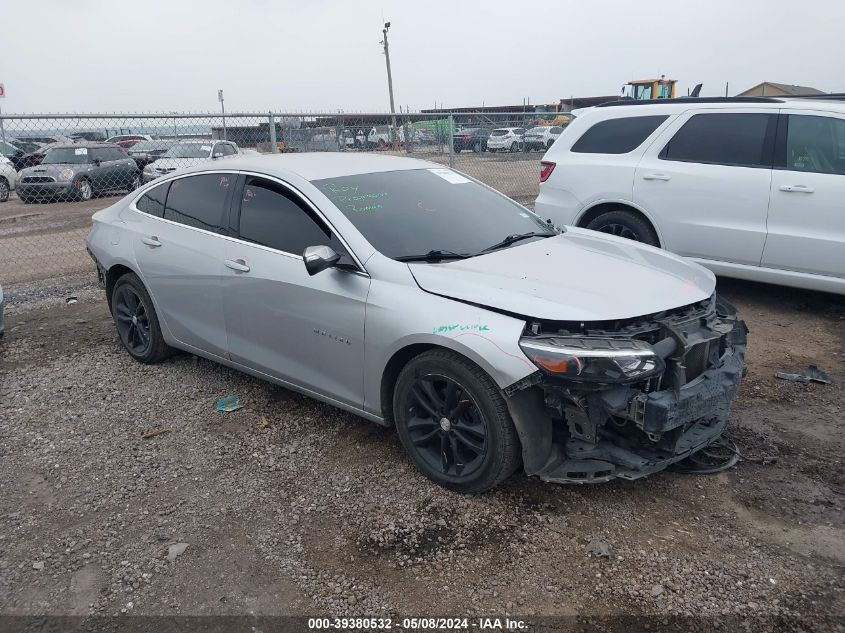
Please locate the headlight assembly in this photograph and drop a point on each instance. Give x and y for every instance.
(66, 174)
(596, 360)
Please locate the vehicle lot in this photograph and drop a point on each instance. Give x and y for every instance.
(290, 506)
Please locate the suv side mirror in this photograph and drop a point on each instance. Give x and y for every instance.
(319, 258)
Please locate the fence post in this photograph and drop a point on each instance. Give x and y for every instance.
(273, 147)
(451, 141)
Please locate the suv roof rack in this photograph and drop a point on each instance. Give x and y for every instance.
(635, 102)
(833, 96)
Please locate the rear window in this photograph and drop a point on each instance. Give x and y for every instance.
(721, 138)
(152, 202)
(499, 133)
(617, 136)
(198, 201)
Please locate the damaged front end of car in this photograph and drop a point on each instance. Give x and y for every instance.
(627, 398)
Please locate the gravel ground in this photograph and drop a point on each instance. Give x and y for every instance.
(289, 506)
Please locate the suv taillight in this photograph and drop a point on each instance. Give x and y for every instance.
(546, 169)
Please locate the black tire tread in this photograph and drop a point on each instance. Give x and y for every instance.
(642, 226)
(159, 350)
(511, 453)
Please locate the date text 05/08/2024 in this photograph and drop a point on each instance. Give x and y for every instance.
(425, 623)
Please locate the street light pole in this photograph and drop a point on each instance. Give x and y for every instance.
(389, 75)
(223, 110)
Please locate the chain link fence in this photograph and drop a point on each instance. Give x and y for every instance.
(57, 170)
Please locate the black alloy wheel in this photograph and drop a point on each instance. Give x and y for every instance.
(132, 321)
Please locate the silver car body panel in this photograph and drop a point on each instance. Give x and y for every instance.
(336, 338)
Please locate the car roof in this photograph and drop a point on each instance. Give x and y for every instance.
(82, 144)
(319, 165)
(676, 106)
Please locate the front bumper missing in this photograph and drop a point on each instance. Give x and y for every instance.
(575, 435)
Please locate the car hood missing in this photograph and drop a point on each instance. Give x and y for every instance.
(577, 276)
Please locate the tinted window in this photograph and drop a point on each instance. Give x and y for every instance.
(198, 201)
(99, 153)
(271, 216)
(152, 202)
(723, 139)
(816, 144)
(617, 136)
(411, 212)
(557, 130)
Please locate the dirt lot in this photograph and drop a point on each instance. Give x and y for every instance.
(291, 507)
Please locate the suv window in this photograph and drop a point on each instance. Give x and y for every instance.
(113, 153)
(152, 202)
(617, 136)
(99, 153)
(198, 201)
(556, 130)
(272, 216)
(722, 139)
(815, 144)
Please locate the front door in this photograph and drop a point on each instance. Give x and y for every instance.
(706, 181)
(281, 321)
(807, 208)
(177, 241)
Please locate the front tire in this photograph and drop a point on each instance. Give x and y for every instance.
(137, 322)
(453, 422)
(4, 190)
(84, 190)
(625, 224)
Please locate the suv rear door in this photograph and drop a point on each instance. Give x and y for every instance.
(705, 183)
(806, 212)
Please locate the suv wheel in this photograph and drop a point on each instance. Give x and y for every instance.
(477, 148)
(454, 423)
(625, 224)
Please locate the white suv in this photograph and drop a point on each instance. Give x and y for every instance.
(506, 139)
(752, 188)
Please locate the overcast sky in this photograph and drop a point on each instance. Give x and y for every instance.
(324, 55)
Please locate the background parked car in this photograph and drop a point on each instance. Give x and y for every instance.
(188, 153)
(35, 156)
(94, 137)
(146, 152)
(8, 177)
(750, 189)
(128, 140)
(542, 138)
(13, 153)
(78, 172)
(474, 138)
(506, 139)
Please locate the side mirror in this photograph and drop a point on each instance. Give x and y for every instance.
(319, 258)
(96, 162)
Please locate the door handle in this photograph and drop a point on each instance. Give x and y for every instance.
(151, 241)
(656, 177)
(238, 265)
(797, 189)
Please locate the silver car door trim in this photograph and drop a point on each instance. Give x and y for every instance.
(134, 207)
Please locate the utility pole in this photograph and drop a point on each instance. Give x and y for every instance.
(223, 110)
(389, 76)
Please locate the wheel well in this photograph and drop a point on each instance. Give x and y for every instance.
(112, 275)
(391, 374)
(594, 212)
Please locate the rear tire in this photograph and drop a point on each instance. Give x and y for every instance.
(454, 423)
(137, 322)
(625, 224)
(4, 190)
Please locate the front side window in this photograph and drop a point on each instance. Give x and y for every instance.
(617, 136)
(411, 212)
(199, 201)
(815, 144)
(723, 139)
(153, 201)
(189, 150)
(272, 216)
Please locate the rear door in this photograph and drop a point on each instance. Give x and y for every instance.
(281, 321)
(705, 182)
(179, 234)
(807, 208)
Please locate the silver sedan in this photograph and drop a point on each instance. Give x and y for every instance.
(417, 297)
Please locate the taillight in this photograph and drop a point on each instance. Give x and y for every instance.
(546, 169)
(467, 138)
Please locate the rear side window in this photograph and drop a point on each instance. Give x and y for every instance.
(199, 201)
(152, 202)
(723, 139)
(617, 136)
(271, 216)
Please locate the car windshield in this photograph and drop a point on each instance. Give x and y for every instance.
(150, 146)
(189, 150)
(410, 213)
(499, 133)
(66, 156)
